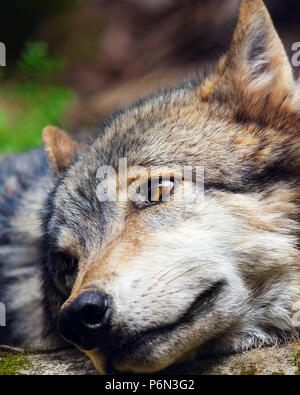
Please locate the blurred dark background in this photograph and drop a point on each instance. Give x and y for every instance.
(73, 62)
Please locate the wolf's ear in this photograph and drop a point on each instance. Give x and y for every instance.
(59, 146)
(256, 64)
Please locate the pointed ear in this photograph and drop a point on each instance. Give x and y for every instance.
(256, 66)
(59, 146)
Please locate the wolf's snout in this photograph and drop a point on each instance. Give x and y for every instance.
(84, 320)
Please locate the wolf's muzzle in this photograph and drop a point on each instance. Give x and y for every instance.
(84, 321)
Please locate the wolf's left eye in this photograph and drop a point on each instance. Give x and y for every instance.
(70, 263)
(156, 190)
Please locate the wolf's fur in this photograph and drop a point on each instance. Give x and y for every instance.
(218, 275)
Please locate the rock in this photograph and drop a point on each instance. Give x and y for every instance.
(280, 360)
(63, 362)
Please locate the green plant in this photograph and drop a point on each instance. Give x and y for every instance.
(32, 99)
(37, 66)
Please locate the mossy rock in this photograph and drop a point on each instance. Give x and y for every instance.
(297, 362)
(13, 364)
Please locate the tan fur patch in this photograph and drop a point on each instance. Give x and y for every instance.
(59, 146)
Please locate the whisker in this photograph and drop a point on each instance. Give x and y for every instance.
(174, 292)
(168, 271)
(182, 274)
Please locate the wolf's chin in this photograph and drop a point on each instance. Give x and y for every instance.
(98, 359)
(144, 359)
(139, 361)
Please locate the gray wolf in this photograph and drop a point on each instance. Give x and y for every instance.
(142, 284)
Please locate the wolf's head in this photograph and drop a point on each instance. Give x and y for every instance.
(205, 255)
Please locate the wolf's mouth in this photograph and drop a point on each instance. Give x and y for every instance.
(120, 349)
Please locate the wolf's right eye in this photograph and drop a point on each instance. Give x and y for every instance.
(156, 190)
(70, 263)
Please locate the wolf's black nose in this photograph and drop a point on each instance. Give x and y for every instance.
(83, 321)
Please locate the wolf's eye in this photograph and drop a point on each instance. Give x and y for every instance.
(156, 190)
(70, 264)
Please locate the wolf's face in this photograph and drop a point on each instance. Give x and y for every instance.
(203, 254)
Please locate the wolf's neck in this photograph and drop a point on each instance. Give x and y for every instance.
(24, 181)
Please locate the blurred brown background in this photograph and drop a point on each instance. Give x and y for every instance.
(116, 51)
